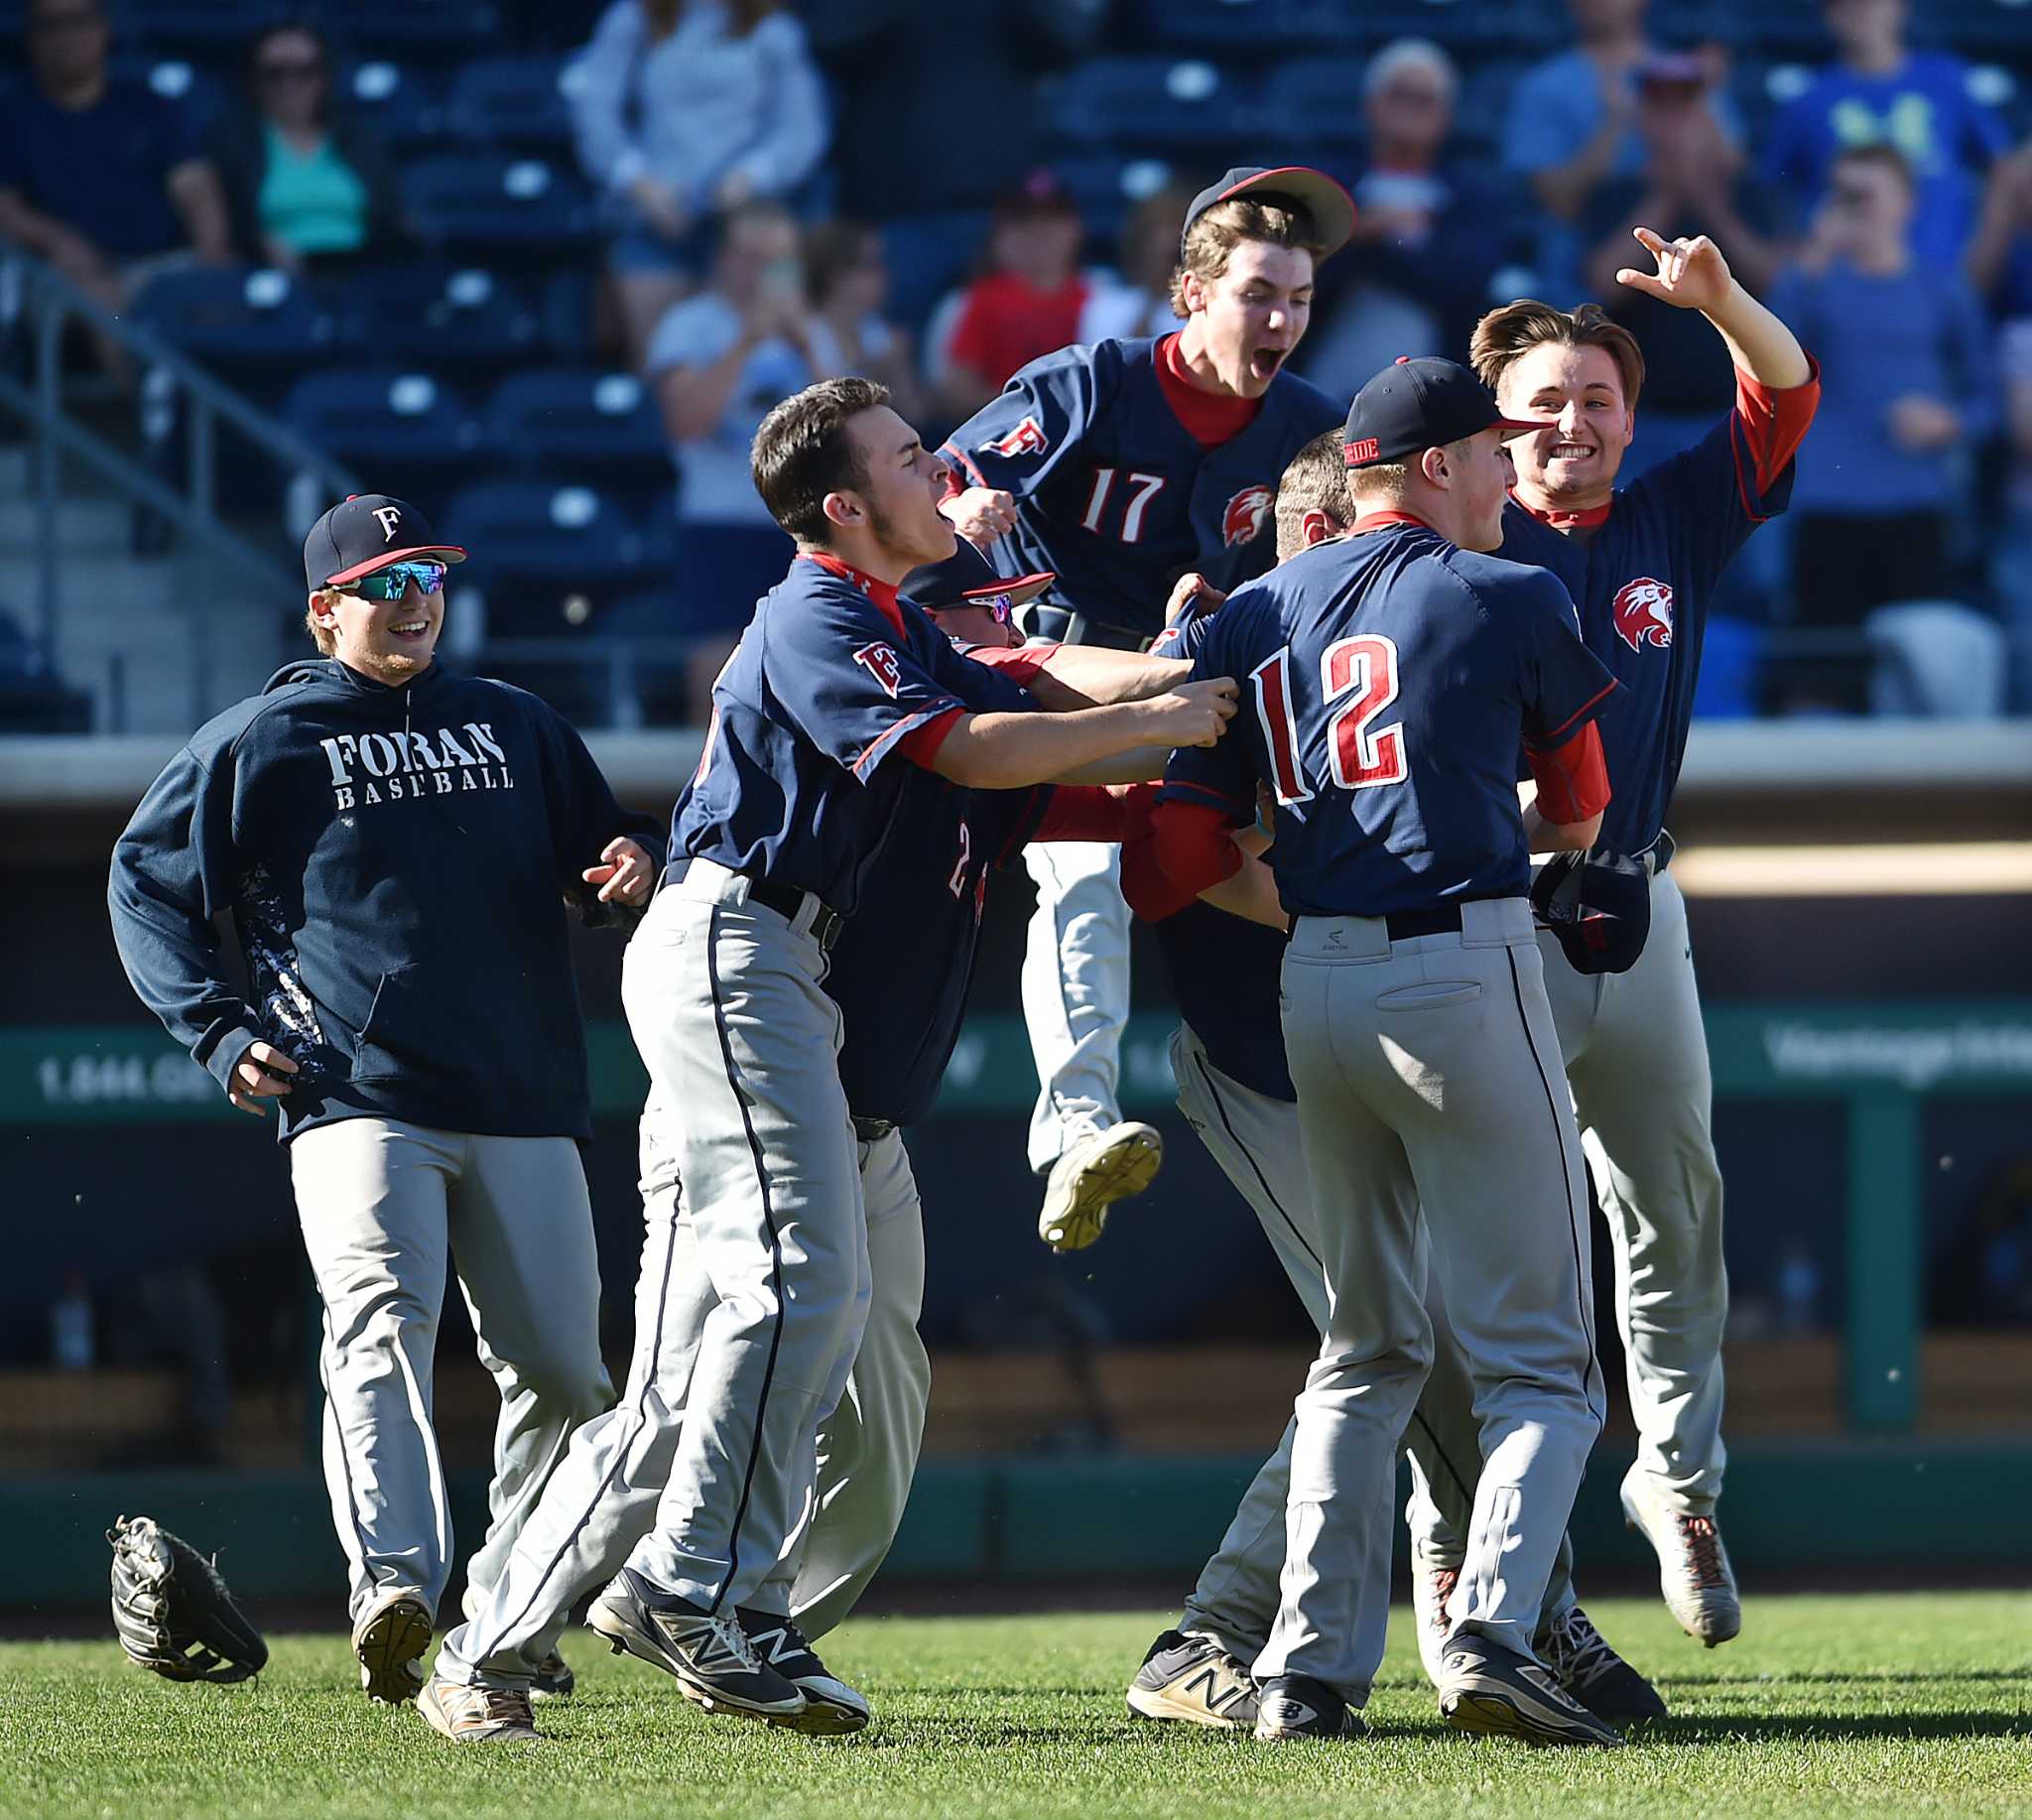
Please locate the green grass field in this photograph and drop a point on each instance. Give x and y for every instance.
(1897, 1704)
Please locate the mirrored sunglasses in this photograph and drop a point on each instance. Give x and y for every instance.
(392, 582)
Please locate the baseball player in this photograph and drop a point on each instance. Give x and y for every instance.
(1236, 1091)
(392, 842)
(1119, 467)
(1394, 676)
(1642, 565)
(834, 713)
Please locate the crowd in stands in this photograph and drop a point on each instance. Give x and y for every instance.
(768, 195)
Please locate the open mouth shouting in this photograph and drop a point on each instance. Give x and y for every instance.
(1265, 362)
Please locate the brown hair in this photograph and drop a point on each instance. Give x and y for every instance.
(743, 16)
(802, 453)
(1314, 481)
(322, 636)
(1885, 157)
(832, 249)
(1505, 336)
(1211, 239)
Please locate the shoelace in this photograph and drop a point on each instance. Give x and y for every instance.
(1580, 1653)
(1444, 1580)
(729, 1635)
(1703, 1543)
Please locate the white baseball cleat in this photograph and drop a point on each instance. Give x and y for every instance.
(390, 1640)
(1432, 1586)
(1092, 1176)
(477, 1715)
(1694, 1572)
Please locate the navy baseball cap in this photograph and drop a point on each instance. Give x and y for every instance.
(366, 532)
(1329, 204)
(1598, 904)
(969, 579)
(1420, 404)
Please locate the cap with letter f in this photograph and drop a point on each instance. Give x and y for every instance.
(1421, 404)
(366, 532)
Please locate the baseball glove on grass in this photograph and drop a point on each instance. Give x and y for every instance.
(173, 1612)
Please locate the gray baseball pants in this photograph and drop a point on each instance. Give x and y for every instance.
(1636, 1057)
(1428, 1074)
(1075, 991)
(384, 1205)
(607, 1491)
(1255, 1139)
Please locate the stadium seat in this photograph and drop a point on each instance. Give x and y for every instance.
(1159, 102)
(34, 699)
(245, 321)
(403, 432)
(1107, 188)
(1317, 101)
(565, 315)
(527, 207)
(1483, 107)
(217, 32)
(1242, 28)
(200, 97)
(440, 317)
(722, 570)
(602, 426)
(547, 556)
(517, 102)
(1731, 656)
(1975, 28)
(414, 30)
(406, 109)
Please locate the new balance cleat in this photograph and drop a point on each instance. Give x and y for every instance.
(1090, 1177)
(707, 1653)
(1192, 1678)
(1490, 1689)
(1694, 1572)
(831, 1708)
(1582, 1662)
(477, 1715)
(1297, 1706)
(389, 1641)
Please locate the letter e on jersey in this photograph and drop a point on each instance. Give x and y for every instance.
(1642, 610)
(880, 662)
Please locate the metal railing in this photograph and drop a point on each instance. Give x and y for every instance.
(38, 305)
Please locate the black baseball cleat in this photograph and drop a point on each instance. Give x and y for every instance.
(1582, 1662)
(1193, 1679)
(1297, 1706)
(1489, 1688)
(707, 1653)
(554, 1679)
(831, 1708)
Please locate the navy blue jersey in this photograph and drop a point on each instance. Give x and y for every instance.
(1116, 495)
(923, 902)
(1642, 580)
(1391, 679)
(795, 784)
(1224, 971)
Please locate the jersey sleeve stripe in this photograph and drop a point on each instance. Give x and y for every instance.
(878, 748)
(955, 456)
(1585, 712)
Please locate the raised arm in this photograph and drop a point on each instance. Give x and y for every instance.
(1692, 274)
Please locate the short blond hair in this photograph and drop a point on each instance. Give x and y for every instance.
(1211, 239)
(322, 636)
(1316, 480)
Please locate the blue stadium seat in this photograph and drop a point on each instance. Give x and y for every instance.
(547, 556)
(1317, 101)
(530, 207)
(516, 102)
(403, 432)
(407, 108)
(201, 98)
(246, 320)
(603, 427)
(1975, 28)
(722, 570)
(1157, 103)
(217, 32)
(1244, 28)
(1483, 108)
(414, 30)
(1107, 188)
(441, 318)
(564, 314)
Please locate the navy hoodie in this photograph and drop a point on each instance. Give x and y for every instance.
(397, 863)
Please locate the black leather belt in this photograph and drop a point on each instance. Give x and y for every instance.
(1404, 924)
(786, 901)
(873, 1131)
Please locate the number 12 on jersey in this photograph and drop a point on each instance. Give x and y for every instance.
(1361, 755)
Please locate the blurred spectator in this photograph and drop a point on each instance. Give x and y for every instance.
(101, 177)
(848, 280)
(685, 109)
(1430, 233)
(1573, 125)
(722, 358)
(305, 186)
(1690, 185)
(1879, 91)
(1982, 1275)
(1025, 303)
(1906, 389)
(1999, 257)
(1135, 300)
(2010, 573)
